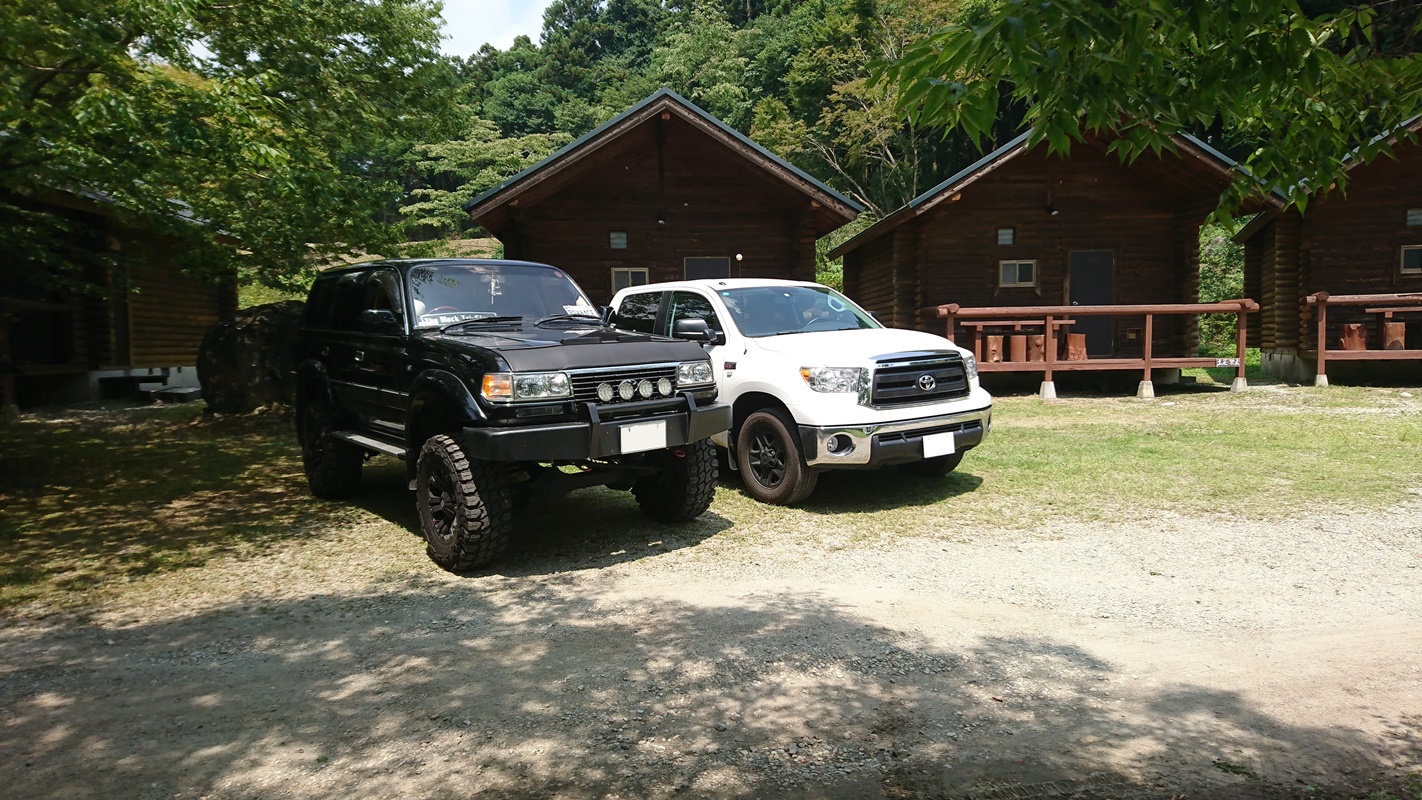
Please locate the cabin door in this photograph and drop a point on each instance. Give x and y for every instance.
(1093, 283)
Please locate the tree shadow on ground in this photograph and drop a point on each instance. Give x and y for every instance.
(444, 688)
(587, 529)
(88, 497)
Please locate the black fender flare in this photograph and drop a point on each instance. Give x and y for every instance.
(444, 387)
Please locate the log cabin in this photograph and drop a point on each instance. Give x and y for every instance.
(663, 191)
(1362, 241)
(139, 324)
(1022, 227)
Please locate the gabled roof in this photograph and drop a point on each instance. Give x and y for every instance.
(661, 101)
(985, 165)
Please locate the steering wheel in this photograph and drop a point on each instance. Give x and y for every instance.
(818, 320)
(443, 309)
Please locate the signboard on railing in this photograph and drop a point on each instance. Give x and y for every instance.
(1227, 362)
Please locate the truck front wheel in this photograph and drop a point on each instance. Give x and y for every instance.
(465, 512)
(683, 487)
(770, 460)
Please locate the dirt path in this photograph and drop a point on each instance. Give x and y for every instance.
(1202, 656)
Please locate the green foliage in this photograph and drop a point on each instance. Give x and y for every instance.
(700, 60)
(1305, 90)
(262, 135)
(470, 165)
(1221, 278)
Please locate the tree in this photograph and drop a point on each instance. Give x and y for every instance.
(1301, 92)
(266, 135)
(699, 60)
(458, 170)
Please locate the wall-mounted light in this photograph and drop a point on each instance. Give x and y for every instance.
(1052, 209)
(739, 256)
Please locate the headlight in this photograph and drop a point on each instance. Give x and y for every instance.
(513, 386)
(970, 366)
(694, 373)
(833, 379)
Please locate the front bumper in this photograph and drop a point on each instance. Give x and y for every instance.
(598, 438)
(892, 442)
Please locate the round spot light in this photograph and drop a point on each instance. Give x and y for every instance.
(665, 387)
(626, 389)
(605, 392)
(644, 388)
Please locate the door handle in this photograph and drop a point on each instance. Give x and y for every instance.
(359, 356)
(325, 351)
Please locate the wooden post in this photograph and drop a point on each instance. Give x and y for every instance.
(1037, 347)
(1321, 367)
(994, 349)
(1076, 347)
(1241, 333)
(1049, 387)
(1017, 347)
(1394, 335)
(1146, 391)
(1354, 336)
(949, 322)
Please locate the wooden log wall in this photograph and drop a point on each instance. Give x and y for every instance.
(710, 200)
(168, 312)
(869, 280)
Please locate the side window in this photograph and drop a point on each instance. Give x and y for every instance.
(349, 301)
(385, 292)
(318, 305)
(689, 305)
(638, 312)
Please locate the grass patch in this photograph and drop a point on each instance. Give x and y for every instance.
(92, 501)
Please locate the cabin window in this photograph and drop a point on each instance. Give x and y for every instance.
(1414, 216)
(623, 277)
(617, 240)
(638, 312)
(1006, 236)
(707, 267)
(1016, 273)
(1412, 259)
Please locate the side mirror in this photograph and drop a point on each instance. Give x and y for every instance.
(605, 315)
(379, 320)
(694, 329)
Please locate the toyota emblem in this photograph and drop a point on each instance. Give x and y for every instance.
(926, 383)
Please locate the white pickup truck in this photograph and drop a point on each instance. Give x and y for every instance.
(816, 383)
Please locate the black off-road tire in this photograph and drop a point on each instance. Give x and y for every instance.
(465, 512)
(772, 463)
(332, 465)
(685, 485)
(935, 467)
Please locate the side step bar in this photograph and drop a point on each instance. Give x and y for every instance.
(370, 443)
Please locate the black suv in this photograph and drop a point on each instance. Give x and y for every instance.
(498, 383)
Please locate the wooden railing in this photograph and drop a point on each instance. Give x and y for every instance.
(1353, 339)
(1054, 322)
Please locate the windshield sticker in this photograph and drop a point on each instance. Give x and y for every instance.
(453, 317)
(580, 310)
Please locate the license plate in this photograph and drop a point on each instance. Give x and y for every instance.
(644, 436)
(938, 444)
(1226, 362)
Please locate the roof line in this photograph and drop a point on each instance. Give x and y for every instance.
(661, 94)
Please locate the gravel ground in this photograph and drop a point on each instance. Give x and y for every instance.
(1165, 656)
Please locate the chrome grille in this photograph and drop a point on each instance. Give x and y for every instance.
(903, 383)
(585, 383)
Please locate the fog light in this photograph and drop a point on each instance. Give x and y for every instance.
(839, 444)
(626, 389)
(604, 392)
(644, 388)
(665, 387)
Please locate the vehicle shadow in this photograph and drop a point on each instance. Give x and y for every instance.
(845, 490)
(430, 687)
(585, 529)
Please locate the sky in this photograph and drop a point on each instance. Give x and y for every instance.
(468, 24)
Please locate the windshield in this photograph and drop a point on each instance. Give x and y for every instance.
(775, 310)
(443, 294)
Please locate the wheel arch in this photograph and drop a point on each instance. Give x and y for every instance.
(439, 403)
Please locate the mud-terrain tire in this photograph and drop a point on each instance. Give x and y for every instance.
(465, 512)
(683, 488)
(772, 464)
(935, 467)
(332, 465)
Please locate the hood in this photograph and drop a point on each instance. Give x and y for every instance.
(530, 348)
(851, 348)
